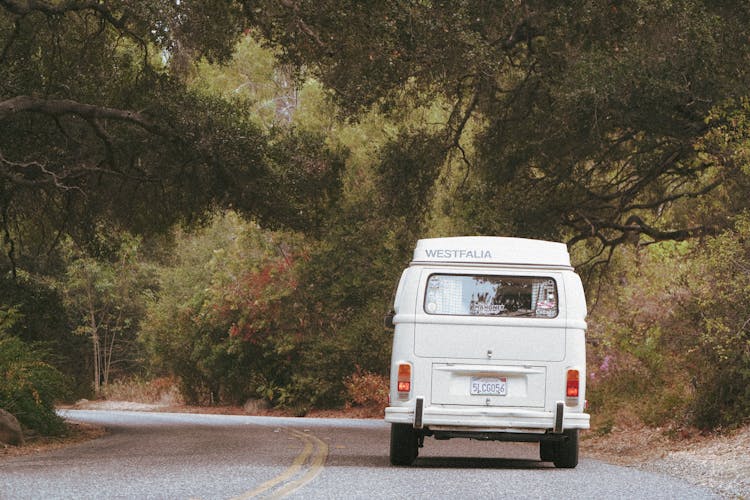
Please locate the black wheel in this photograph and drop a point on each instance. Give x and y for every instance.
(566, 451)
(404, 444)
(547, 451)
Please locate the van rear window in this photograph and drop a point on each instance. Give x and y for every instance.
(491, 295)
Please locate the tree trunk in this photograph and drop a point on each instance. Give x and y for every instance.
(97, 358)
(95, 343)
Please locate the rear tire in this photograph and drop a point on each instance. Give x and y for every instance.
(566, 451)
(404, 444)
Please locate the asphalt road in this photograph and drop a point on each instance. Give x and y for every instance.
(188, 456)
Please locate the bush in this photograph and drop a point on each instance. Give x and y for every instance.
(163, 390)
(633, 366)
(29, 385)
(673, 330)
(41, 320)
(720, 306)
(367, 389)
(222, 330)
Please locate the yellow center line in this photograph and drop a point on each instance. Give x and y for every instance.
(316, 466)
(290, 472)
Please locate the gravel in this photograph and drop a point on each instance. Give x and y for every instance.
(722, 464)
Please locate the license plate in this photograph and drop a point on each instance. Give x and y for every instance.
(489, 386)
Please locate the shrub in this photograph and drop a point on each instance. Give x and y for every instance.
(40, 319)
(164, 390)
(720, 306)
(637, 363)
(29, 385)
(222, 329)
(674, 333)
(367, 389)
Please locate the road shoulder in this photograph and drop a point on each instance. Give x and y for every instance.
(718, 461)
(78, 432)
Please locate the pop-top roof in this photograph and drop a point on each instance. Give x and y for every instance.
(492, 250)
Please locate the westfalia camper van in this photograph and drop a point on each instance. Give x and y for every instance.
(488, 343)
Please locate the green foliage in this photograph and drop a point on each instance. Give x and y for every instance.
(29, 385)
(305, 180)
(719, 306)
(271, 318)
(671, 331)
(253, 79)
(102, 121)
(695, 348)
(601, 123)
(41, 320)
(220, 319)
(407, 172)
(104, 289)
(105, 300)
(573, 121)
(636, 364)
(346, 285)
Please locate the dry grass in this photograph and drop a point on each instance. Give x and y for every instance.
(630, 442)
(160, 391)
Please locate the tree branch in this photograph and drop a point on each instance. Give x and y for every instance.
(456, 132)
(100, 7)
(7, 238)
(21, 8)
(60, 107)
(302, 25)
(630, 231)
(635, 224)
(523, 32)
(11, 39)
(675, 197)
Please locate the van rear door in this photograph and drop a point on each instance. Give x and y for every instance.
(490, 334)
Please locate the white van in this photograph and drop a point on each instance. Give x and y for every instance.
(488, 343)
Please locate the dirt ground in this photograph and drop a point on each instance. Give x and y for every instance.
(77, 433)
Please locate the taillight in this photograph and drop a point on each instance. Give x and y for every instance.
(403, 385)
(572, 384)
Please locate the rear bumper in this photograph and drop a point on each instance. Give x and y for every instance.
(486, 419)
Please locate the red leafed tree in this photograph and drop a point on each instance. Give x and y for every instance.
(226, 320)
(258, 301)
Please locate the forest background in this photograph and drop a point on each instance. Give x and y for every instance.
(220, 195)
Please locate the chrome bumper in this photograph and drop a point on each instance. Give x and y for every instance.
(486, 419)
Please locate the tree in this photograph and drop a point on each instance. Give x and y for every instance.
(29, 385)
(100, 122)
(574, 121)
(106, 298)
(223, 320)
(41, 321)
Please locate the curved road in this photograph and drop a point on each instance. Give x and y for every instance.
(188, 456)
